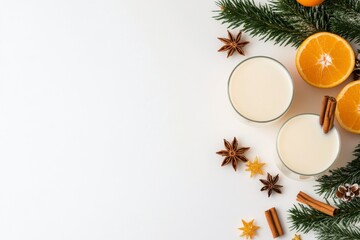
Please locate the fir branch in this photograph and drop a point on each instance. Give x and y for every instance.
(305, 219)
(328, 184)
(287, 22)
(349, 212)
(337, 232)
(345, 18)
(304, 19)
(283, 21)
(259, 21)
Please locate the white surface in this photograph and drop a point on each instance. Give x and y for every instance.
(249, 89)
(110, 116)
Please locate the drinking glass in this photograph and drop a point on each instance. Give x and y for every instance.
(304, 151)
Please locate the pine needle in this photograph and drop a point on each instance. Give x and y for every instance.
(286, 22)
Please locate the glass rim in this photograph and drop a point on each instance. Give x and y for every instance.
(302, 174)
(292, 88)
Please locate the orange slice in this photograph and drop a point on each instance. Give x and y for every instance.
(348, 107)
(325, 60)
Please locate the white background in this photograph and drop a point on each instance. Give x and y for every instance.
(110, 116)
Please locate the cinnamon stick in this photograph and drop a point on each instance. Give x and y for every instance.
(320, 206)
(316, 204)
(271, 224)
(274, 223)
(327, 113)
(332, 101)
(277, 221)
(323, 109)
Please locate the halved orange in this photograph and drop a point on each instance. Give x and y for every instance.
(325, 60)
(348, 107)
(310, 3)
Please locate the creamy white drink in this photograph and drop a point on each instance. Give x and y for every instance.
(260, 89)
(304, 148)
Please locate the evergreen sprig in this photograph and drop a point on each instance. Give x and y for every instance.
(258, 20)
(305, 219)
(303, 19)
(349, 212)
(345, 18)
(328, 184)
(286, 22)
(337, 232)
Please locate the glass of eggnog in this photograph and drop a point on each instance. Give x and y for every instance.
(303, 149)
(260, 89)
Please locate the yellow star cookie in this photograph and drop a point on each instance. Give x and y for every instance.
(297, 237)
(255, 167)
(248, 230)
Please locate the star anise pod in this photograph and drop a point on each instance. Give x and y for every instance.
(233, 44)
(270, 184)
(348, 192)
(356, 72)
(233, 154)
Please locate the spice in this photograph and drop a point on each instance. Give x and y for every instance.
(327, 113)
(233, 154)
(274, 222)
(233, 44)
(270, 184)
(320, 206)
(356, 72)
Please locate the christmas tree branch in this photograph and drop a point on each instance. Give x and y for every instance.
(337, 232)
(328, 184)
(304, 19)
(288, 22)
(304, 219)
(349, 212)
(258, 21)
(345, 19)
